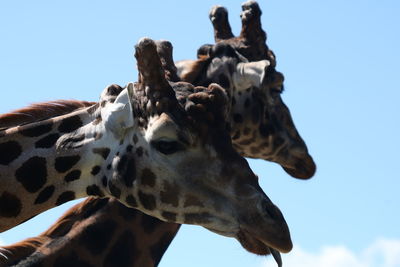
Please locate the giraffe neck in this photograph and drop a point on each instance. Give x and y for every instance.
(96, 232)
(46, 163)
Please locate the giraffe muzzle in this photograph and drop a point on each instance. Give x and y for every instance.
(265, 230)
(301, 168)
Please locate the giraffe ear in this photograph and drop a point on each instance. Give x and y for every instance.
(250, 73)
(118, 116)
(204, 50)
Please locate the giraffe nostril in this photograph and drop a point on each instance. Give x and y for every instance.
(272, 212)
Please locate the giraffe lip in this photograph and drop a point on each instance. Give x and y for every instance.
(255, 245)
(263, 247)
(302, 169)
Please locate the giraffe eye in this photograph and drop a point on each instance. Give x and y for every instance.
(276, 91)
(167, 147)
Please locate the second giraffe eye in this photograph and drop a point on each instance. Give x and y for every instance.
(167, 147)
(276, 91)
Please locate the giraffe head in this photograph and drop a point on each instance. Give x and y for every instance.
(261, 124)
(175, 161)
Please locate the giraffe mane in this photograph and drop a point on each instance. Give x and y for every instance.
(20, 250)
(195, 68)
(40, 111)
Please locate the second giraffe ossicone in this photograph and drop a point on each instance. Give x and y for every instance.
(169, 159)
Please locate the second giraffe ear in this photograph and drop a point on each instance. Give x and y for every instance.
(118, 116)
(250, 74)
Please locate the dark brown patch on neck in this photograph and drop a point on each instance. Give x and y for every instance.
(45, 194)
(72, 259)
(148, 201)
(72, 176)
(10, 205)
(124, 252)
(32, 174)
(70, 124)
(65, 197)
(36, 130)
(150, 224)
(96, 237)
(47, 141)
(94, 190)
(9, 151)
(63, 164)
(158, 249)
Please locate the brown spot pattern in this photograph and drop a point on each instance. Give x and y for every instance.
(169, 216)
(9, 151)
(70, 124)
(170, 194)
(191, 200)
(72, 176)
(63, 164)
(94, 190)
(45, 194)
(148, 177)
(47, 141)
(97, 236)
(95, 170)
(197, 218)
(10, 205)
(124, 252)
(131, 201)
(65, 197)
(148, 201)
(114, 190)
(32, 174)
(40, 129)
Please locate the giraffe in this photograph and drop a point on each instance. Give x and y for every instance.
(69, 245)
(34, 251)
(267, 130)
(179, 193)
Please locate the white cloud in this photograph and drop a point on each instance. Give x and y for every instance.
(381, 253)
(2, 243)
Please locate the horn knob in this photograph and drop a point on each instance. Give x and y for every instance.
(164, 50)
(219, 19)
(151, 73)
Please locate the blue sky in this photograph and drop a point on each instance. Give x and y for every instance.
(340, 60)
